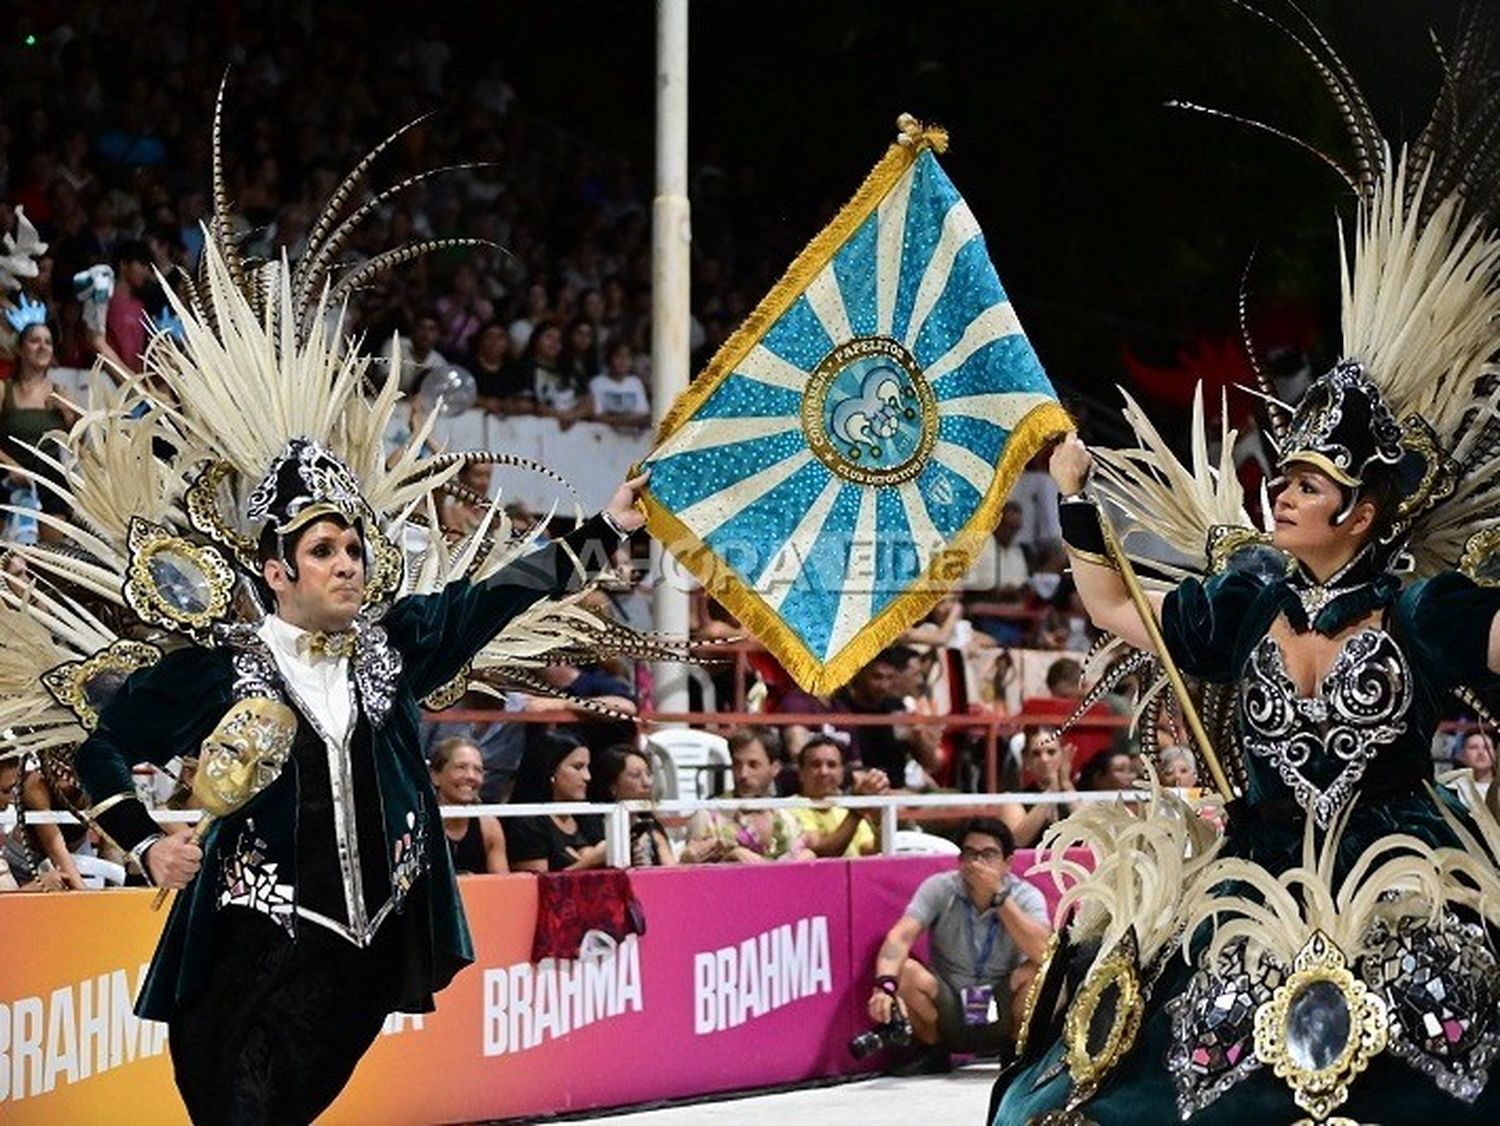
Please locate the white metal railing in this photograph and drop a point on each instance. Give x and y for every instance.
(617, 814)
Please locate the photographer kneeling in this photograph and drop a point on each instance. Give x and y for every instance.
(988, 929)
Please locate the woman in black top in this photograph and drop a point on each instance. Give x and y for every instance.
(477, 844)
(623, 773)
(559, 842)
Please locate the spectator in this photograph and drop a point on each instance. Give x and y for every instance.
(913, 686)
(538, 310)
(29, 846)
(623, 773)
(747, 836)
(557, 394)
(460, 515)
(871, 691)
(1064, 691)
(49, 880)
(987, 930)
(419, 355)
(462, 311)
(619, 395)
(1175, 768)
(125, 322)
(30, 410)
(497, 378)
(831, 831)
(1046, 768)
(1112, 770)
(1477, 752)
(1000, 575)
(580, 358)
(1036, 496)
(558, 842)
(476, 844)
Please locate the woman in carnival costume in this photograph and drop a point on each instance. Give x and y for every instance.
(237, 584)
(1329, 954)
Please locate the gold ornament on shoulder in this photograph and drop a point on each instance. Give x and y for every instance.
(85, 687)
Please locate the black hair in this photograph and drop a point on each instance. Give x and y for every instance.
(540, 763)
(283, 549)
(608, 765)
(822, 740)
(132, 250)
(1383, 489)
(990, 827)
(897, 656)
(1060, 668)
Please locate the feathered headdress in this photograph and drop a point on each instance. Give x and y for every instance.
(255, 411)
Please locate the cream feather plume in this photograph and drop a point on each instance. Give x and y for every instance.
(1398, 876)
(1163, 498)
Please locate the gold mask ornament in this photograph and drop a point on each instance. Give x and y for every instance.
(240, 757)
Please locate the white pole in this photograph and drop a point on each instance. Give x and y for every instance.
(671, 236)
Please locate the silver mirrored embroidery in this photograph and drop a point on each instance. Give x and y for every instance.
(1360, 707)
(248, 879)
(1213, 1027)
(1442, 991)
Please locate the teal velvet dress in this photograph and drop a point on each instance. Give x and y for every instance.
(1365, 735)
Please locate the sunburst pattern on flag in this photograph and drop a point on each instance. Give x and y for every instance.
(838, 465)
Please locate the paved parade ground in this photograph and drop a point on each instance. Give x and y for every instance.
(960, 1098)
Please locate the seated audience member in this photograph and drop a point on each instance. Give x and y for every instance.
(419, 354)
(461, 516)
(1112, 770)
(747, 836)
(619, 395)
(557, 842)
(499, 381)
(987, 929)
(997, 582)
(28, 845)
(48, 880)
(831, 831)
(912, 685)
(476, 844)
(871, 691)
(1476, 751)
(623, 773)
(1175, 768)
(1064, 690)
(1046, 768)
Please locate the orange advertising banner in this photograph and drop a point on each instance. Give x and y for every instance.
(744, 976)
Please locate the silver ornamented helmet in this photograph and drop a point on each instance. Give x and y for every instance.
(306, 481)
(1344, 427)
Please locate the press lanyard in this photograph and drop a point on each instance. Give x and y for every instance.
(983, 953)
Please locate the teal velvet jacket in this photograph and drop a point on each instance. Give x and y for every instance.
(1387, 689)
(168, 709)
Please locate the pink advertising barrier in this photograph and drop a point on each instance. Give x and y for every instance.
(745, 977)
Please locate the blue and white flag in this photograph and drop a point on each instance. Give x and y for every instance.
(842, 460)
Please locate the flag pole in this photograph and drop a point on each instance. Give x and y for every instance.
(1116, 552)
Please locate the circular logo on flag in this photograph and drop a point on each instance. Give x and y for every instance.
(868, 413)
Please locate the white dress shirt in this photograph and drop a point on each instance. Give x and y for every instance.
(319, 685)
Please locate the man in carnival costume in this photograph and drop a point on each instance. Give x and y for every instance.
(1337, 934)
(237, 559)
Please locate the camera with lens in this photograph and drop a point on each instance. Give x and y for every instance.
(894, 1033)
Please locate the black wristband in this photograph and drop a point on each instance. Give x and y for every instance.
(1079, 518)
(886, 984)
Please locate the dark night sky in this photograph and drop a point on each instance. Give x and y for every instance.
(1112, 219)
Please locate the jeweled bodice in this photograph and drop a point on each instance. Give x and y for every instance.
(1319, 747)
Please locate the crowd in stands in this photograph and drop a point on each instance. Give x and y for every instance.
(112, 166)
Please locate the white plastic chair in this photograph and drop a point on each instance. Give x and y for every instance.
(689, 761)
(914, 842)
